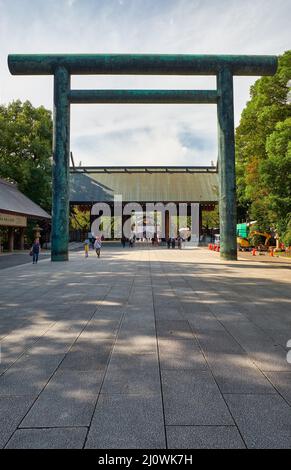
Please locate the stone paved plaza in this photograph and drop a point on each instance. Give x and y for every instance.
(145, 348)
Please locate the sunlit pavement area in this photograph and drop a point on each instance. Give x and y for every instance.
(145, 348)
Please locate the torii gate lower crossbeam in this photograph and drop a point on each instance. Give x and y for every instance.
(62, 66)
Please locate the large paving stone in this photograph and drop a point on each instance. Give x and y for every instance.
(12, 411)
(213, 341)
(127, 422)
(191, 305)
(68, 400)
(180, 354)
(129, 360)
(282, 382)
(263, 420)
(10, 352)
(88, 355)
(179, 329)
(137, 328)
(100, 328)
(168, 313)
(191, 397)
(226, 311)
(267, 355)
(195, 306)
(171, 303)
(279, 335)
(49, 347)
(203, 321)
(27, 377)
(134, 380)
(204, 437)
(66, 438)
(139, 343)
(236, 373)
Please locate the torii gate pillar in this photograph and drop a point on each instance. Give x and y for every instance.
(61, 152)
(226, 165)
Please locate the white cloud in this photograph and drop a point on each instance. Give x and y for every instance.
(139, 134)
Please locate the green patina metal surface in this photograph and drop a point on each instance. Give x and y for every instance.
(143, 64)
(137, 186)
(61, 150)
(144, 96)
(64, 65)
(226, 166)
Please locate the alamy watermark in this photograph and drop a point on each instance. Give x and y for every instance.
(130, 218)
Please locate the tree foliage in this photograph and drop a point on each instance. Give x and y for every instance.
(210, 219)
(80, 218)
(263, 149)
(26, 149)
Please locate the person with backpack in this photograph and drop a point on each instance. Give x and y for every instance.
(97, 246)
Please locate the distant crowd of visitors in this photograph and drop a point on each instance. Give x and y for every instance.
(171, 242)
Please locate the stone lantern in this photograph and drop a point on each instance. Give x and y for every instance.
(37, 229)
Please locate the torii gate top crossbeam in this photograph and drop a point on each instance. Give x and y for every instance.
(141, 64)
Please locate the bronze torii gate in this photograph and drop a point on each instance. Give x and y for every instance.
(62, 66)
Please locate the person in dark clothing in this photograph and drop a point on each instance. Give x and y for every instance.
(35, 251)
(169, 242)
(173, 242)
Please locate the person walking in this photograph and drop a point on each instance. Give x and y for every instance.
(86, 247)
(169, 241)
(35, 249)
(132, 240)
(173, 243)
(97, 246)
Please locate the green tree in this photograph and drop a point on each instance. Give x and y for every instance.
(80, 218)
(275, 173)
(287, 234)
(210, 219)
(26, 149)
(263, 151)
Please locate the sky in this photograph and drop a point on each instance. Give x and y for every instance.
(140, 134)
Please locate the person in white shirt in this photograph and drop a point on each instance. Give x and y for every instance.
(97, 246)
